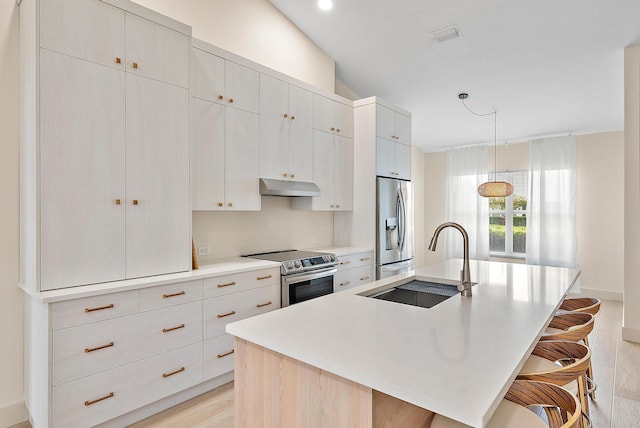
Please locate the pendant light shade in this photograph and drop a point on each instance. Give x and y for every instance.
(495, 189)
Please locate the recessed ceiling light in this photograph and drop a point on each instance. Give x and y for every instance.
(446, 33)
(325, 4)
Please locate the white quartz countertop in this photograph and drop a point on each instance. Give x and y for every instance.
(216, 268)
(456, 359)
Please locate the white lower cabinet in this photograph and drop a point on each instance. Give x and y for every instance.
(105, 395)
(218, 356)
(353, 270)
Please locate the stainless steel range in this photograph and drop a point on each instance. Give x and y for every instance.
(304, 275)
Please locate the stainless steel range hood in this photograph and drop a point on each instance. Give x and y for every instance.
(271, 187)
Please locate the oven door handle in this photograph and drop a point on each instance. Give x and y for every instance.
(305, 276)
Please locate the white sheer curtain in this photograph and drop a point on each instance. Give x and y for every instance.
(466, 170)
(551, 223)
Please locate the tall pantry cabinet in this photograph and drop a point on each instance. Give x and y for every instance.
(105, 143)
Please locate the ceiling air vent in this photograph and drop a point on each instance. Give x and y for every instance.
(446, 34)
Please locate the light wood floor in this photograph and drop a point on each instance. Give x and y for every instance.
(616, 366)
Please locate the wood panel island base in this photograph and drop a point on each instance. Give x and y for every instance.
(273, 390)
(348, 360)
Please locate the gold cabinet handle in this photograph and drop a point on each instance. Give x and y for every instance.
(364, 259)
(108, 345)
(262, 305)
(364, 279)
(220, 97)
(345, 263)
(260, 278)
(179, 293)
(180, 370)
(228, 284)
(167, 330)
(293, 176)
(226, 353)
(285, 174)
(230, 204)
(134, 65)
(338, 130)
(88, 403)
(220, 204)
(337, 206)
(101, 308)
(230, 100)
(285, 115)
(135, 202)
(331, 206)
(293, 118)
(345, 283)
(118, 60)
(118, 201)
(333, 129)
(227, 314)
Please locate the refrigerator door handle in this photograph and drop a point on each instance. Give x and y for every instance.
(402, 230)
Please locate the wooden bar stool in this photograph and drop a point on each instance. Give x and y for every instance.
(561, 363)
(573, 327)
(561, 407)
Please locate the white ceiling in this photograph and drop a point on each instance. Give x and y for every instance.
(549, 67)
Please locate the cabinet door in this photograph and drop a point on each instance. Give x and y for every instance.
(344, 119)
(274, 97)
(207, 76)
(300, 152)
(323, 113)
(242, 160)
(207, 155)
(385, 122)
(82, 159)
(403, 161)
(274, 151)
(87, 29)
(156, 51)
(323, 170)
(157, 231)
(344, 174)
(242, 87)
(385, 158)
(301, 106)
(403, 128)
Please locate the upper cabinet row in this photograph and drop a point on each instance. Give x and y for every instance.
(393, 143)
(105, 144)
(248, 125)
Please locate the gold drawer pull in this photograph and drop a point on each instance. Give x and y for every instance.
(181, 369)
(227, 315)
(134, 64)
(180, 293)
(225, 354)
(260, 278)
(345, 263)
(87, 310)
(108, 345)
(364, 259)
(167, 330)
(228, 284)
(364, 279)
(88, 403)
(345, 283)
(262, 305)
(118, 60)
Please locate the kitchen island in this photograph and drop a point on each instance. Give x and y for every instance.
(349, 360)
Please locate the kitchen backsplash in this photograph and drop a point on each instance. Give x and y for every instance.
(275, 227)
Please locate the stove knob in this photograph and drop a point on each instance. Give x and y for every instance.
(297, 263)
(325, 258)
(289, 265)
(333, 258)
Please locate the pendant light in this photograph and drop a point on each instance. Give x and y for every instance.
(495, 188)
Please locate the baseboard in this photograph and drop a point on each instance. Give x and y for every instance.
(13, 413)
(599, 294)
(631, 334)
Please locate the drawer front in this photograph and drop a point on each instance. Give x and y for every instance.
(353, 277)
(227, 284)
(219, 356)
(84, 350)
(170, 295)
(96, 308)
(103, 396)
(222, 310)
(355, 260)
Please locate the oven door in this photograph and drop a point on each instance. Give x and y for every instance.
(299, 287)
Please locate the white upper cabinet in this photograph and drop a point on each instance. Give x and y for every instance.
(242, 160)
(332, 116)
(242, 87)
(393, 143)
(392, 125)
(207, 76)
(286, 136)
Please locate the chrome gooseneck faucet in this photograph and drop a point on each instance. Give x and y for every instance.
(465, 276)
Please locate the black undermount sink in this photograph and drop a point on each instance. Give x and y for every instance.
(418, 293)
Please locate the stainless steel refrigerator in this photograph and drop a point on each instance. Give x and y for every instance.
(394, 219)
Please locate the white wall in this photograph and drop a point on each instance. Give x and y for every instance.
(11, 302)
(599, 206)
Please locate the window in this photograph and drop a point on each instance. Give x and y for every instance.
(508, 217)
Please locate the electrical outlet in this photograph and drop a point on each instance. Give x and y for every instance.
(203, 251)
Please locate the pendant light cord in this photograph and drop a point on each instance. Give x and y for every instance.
(495, 138)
